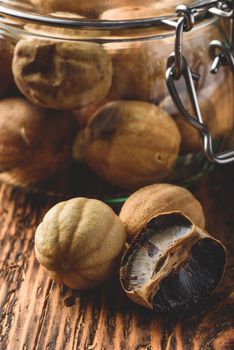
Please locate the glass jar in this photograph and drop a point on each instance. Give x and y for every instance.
(84, 85)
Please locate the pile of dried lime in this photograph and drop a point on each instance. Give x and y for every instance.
(170, 264)
(118, 117)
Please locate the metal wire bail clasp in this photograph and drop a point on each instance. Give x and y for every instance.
(223, 53)
(178, 67)
(185, 23)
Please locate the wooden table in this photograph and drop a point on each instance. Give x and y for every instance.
(36, 313)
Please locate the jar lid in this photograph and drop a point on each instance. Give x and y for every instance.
(100, 20)
(103, 10)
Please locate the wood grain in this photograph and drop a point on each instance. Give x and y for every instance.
(36, 313)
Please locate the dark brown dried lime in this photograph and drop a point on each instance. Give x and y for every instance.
(172, 264)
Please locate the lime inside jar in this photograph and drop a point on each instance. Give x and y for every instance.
(83, 87)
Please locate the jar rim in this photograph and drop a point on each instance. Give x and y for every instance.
(168, 21)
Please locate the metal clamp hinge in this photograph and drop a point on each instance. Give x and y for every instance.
(221, 54)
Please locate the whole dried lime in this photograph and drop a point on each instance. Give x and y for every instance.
(62, 75)
(129, 143)
(34, 143)
(79, 242)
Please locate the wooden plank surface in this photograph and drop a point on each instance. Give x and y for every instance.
(36, 313)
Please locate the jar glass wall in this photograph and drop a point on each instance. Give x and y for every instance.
(97, 96)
